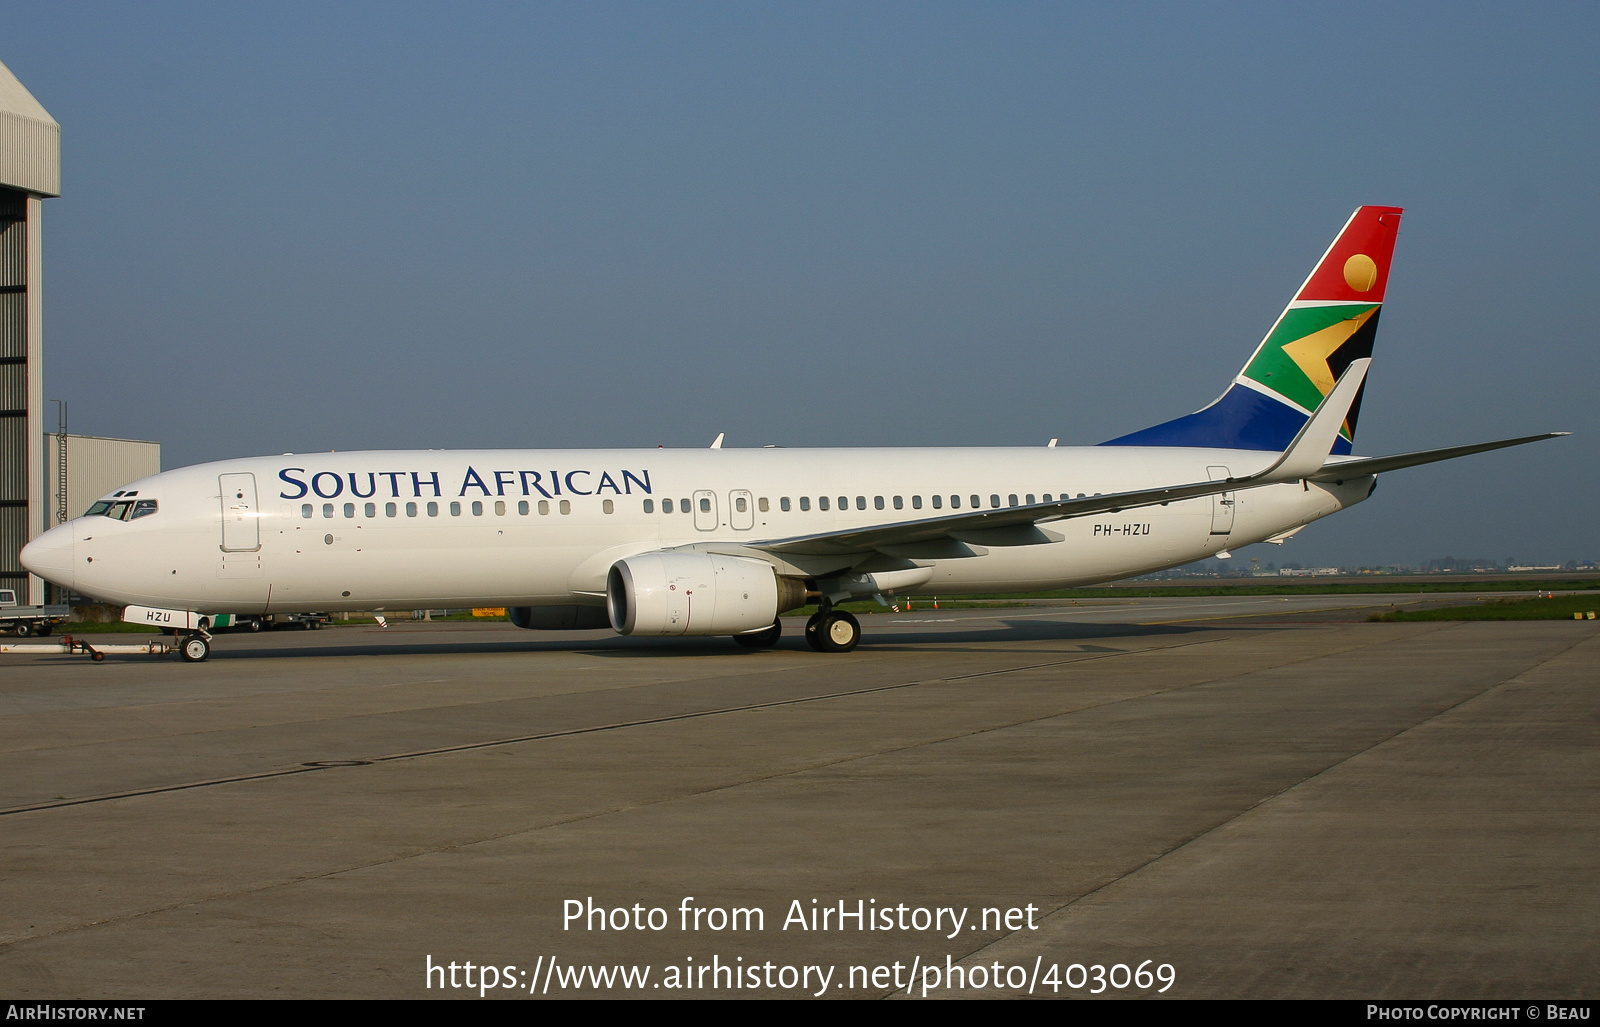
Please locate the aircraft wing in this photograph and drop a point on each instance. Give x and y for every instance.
(1344, 470)
(1010, 526)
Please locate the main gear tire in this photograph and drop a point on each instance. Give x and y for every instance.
(837, 632)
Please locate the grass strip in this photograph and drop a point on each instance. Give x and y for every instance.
(1559, 608)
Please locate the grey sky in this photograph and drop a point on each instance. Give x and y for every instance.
(292, 227)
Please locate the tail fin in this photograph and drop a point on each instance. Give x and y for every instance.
(1331, 321)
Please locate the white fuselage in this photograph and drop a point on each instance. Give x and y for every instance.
(403, 530)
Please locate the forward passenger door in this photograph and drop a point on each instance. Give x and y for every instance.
(241, 530)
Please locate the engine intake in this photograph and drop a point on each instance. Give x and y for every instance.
(687, 593)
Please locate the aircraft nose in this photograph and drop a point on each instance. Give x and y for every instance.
(50, 556)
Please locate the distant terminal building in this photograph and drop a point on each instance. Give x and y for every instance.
(30, 171)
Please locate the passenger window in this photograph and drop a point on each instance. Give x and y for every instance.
(955, 502)
(666, 506)
(649, 506)
(1030, 499)
(822, 502)
(977, 501)
(608, 506)
(1046, 498)
(522, 507)
(499, 508)
(477, 508)
(916, 502)
(994, 501)
(411, 509)
(705, 505)
(349, 509)
(899, 503)
(805, 502)
(455, 509)
(372, 509)
(844, 503)
(1011, 500)
(433, 509)
(861, 502)
(761, 504)
(566, 506)
(739, 504)
(877, 502)
(143, 508)
(327, 509)
(938, 502)
(783, 504)
(389, 509)
(544, 507)
(305, 510)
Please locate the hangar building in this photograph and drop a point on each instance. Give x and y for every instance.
(30, 172)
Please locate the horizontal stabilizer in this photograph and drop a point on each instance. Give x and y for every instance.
(1310, 448)
(1344, 470)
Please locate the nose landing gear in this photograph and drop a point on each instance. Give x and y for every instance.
(194, 648)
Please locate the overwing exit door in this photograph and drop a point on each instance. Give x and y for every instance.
(705, 510)
(741, 510)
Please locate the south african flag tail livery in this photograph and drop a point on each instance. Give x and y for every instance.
(1330, 323)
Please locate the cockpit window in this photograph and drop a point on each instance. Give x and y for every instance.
(123, 509)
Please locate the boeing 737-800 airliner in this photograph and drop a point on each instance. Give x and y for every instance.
(721, 542)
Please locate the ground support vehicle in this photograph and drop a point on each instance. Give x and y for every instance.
(23, 621)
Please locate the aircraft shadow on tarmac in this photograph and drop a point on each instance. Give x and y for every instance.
(887, 639)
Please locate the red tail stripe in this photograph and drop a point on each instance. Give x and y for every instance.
(1371, 233)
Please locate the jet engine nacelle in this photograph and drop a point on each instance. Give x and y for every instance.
(688, 593)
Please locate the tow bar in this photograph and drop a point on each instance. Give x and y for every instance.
(193, 648)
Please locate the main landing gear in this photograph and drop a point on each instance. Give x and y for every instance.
(828, 631)
(832, 631)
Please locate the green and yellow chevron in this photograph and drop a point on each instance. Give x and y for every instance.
(1309, 348)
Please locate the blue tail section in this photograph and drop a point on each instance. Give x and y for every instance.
(1241, 419)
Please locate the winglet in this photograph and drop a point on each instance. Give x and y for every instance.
(1309, 450)
(716, 443)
